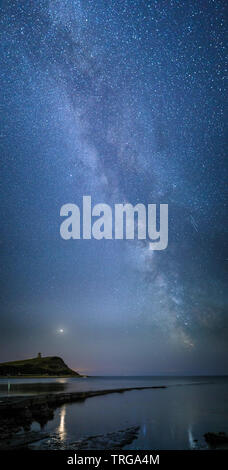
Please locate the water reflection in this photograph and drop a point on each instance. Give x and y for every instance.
(191, 440)
(15, 388)
(62, 424)
(172, 418)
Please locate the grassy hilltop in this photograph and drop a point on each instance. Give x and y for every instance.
(39, 366)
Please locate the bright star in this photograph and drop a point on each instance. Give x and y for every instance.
(60, 330)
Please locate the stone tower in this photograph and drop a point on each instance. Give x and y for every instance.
(39, 355)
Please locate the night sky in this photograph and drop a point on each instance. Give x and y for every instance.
(123, 100)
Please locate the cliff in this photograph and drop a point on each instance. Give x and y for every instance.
(39, 366)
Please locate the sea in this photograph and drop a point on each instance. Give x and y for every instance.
(176, 417)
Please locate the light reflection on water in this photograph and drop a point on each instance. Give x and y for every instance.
(172, 418)
(62, 425)
(192, 443)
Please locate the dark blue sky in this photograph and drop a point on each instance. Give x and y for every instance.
(124, 101)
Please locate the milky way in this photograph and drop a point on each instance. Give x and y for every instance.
(124, 101)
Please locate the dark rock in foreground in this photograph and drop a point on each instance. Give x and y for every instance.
(215, 439)
(21, 441)
(110, 441)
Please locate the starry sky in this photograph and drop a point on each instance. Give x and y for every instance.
(123, 100)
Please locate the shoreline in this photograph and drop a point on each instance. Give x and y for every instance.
(18, 413)
(7, 403)
(43, 376)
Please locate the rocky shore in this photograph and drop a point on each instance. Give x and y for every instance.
(110, 441)
(216, 439)
(18, 413)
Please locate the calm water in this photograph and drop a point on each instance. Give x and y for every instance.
(169, 418)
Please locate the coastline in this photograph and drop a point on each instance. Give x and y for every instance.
(43, 376)
(17, 413)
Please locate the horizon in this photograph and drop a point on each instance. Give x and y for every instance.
(85, 372)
